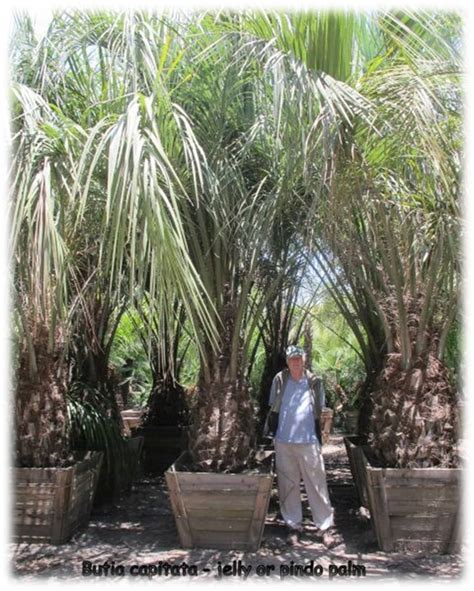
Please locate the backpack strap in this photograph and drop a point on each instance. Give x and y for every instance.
(281, 381)
(315, 388)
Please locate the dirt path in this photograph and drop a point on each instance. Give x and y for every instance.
(138, 533)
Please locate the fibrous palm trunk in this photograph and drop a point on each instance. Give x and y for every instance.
(415, 418)
(222, 433)
(42, 434)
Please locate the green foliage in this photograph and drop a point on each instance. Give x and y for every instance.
(92, 429)
(258, 365)
(188, 356)
(128, 349)
(336, 355)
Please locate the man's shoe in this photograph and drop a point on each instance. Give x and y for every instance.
(331, 538)
(293, 537)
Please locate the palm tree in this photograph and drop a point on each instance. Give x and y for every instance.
(161, 338)
(59, 183)
(409, 241)
(389, 246)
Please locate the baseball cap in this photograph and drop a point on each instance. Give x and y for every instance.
(294, 351)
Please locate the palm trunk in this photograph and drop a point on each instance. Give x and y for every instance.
(415, 418)
(42, 426)
(222, 433)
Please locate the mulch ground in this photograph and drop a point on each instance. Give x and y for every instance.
(139, 531)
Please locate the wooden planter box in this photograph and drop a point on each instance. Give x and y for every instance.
(327, 417)
(50, 504)
(162, 446)
(223, 511)
(131, 419)
(415, 509)
(351, 421)
(355, 452)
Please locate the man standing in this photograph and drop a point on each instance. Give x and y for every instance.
(296, 400)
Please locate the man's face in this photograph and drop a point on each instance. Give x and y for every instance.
(295, 364)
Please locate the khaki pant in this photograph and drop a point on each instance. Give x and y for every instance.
(296, 461)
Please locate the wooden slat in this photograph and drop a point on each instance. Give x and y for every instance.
(218, 481)
(420, 523)
(42, 520)
(83, 487)
(61, 504)
(432, 476)
(378, 507)
(88, 463)
(24, 476)
(427, 546)
(423, 547)
(211, 487)
(355, 453)
(82, 493)
(222, 500)
(327, 416)
(26, 498)
(39, 486)
(414, 539)
(30, 531)
(83, 478)
(424, 492)
(33, 510)
(198, 524)
(224, 513)
(82, 498)
(179, 510)
(453, 540)
(79, 509)
(421, 508)
(261, 508)
(223, 540)
(96, 473)
(361, 474)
